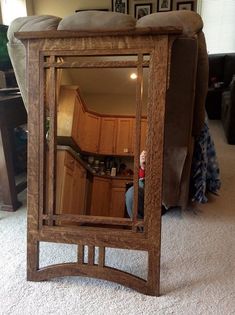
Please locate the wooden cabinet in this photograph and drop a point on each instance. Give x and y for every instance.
(67, 113)
(108, 197)
(100, 202)
(117, 204)
(91, 133)
(124, 145)
(74, 122)
(71, 185)
(66, 197)
(143, 134)
(95, 133)
(78, 128)
(117, 136)
(107, 143)
(79, 189)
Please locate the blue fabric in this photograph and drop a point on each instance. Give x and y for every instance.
(205, 169)
(130, 197)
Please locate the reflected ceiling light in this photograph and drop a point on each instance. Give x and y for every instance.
(133, 76)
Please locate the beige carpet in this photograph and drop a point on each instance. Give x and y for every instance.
(197, 266)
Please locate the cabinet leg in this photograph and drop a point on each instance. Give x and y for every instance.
(32, 259)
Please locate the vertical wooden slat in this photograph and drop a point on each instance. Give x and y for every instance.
(52, 142)
(101, 257)
(155, 140)
(42, 169)
(33, 167)
(32, 257)
(139, 95)
(80, 254)
(91, 255)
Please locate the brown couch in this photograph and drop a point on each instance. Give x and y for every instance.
(186, 93)
(221, 71)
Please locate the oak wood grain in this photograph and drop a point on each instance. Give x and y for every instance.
(42, 227)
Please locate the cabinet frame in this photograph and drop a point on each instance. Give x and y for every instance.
(41, 226)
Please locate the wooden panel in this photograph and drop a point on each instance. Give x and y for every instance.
(69, 161)
(155, 143)
(71, 185)
(149, 240)
(143, 135)
(91, 132)
(79, 189)
(79, 127)
(124, 136)
(120, 182)
(107, 135)
(117, 206)
(66, 112)
(67, 191)
(100, 202)
(59, 179)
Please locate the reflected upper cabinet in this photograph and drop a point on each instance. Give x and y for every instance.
(95, 132)
(107, 143)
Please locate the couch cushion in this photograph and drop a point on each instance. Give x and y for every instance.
(229, 68)
(32, 23)
(189, 21)
(97, 21)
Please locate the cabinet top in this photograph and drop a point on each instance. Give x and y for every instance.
(161, 30)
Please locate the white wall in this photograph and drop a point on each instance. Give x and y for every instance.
(11, 11)
(63, 8)
(108, 104)
(219, 25)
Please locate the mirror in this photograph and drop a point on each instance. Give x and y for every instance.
(100, 141)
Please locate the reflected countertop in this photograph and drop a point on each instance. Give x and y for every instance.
(77, 156)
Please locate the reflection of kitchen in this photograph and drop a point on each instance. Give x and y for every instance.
(109, 166)
(94, 157)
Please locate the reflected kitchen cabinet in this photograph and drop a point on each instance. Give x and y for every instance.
(124, 145)
(117, 205)
(71, 184)
(95, 132)
(76, 123)
(67, 113)
(78, 127)
(107, 143)
(143, 134)
(108, 197)
(100, 200)
(79, 189)
(91, 131)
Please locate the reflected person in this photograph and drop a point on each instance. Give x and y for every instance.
(130, 191)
